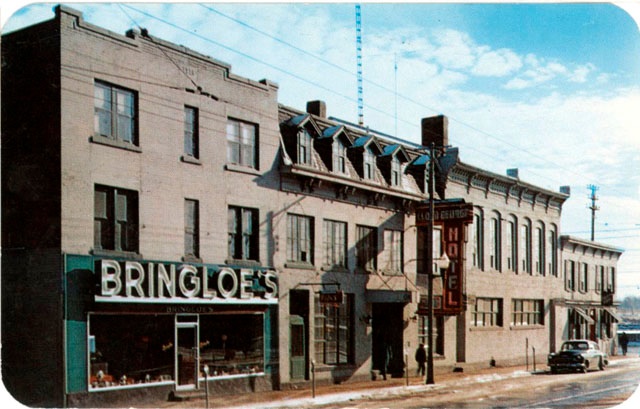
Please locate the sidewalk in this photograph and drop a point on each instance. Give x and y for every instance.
(393, 387)
(328, 394)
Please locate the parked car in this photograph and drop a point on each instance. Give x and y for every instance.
(578, 355)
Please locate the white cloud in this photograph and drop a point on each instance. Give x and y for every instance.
(581, 73)
(497, 63)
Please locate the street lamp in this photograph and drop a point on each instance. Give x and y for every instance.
(429, 262)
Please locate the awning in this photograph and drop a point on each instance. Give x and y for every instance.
(614, 314)
(386, 296)
(584, 315)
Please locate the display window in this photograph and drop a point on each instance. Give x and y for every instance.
(127, 350)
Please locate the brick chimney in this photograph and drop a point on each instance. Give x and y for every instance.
(318, 108)
(435, 129)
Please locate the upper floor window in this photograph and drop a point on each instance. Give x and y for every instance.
(569, 275)
(478, 240)
(552, 248)
(339, 157)
(115, 113)
(243, 233)
(304, 147)
(599, 276)
(369, 164)
(396, 174)
(540, 249)
(115, 219)
(335, 244)
(525, 246)
(512, 245)
(392, 251)
(299, 239)
(584, 278)
(486, 312)
(241, 143)
(495, 255)
(366, 247)
(191, 132)
(191, 228)
(609, 284)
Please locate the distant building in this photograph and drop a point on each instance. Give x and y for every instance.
(160, 214)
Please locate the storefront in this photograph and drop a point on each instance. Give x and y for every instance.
(155, 324)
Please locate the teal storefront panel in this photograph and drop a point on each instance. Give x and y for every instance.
(76, 356)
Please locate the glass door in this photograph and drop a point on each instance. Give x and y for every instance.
(187, 353)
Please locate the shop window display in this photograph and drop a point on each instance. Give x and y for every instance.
(130, 349)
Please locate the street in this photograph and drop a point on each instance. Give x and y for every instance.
(594, 389)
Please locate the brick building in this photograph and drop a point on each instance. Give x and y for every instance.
(160, 214)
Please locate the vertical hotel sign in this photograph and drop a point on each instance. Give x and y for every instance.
(452, 216)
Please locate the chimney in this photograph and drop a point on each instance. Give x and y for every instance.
(566, 190)
(318, 108)
(435, 129)
(513, 173)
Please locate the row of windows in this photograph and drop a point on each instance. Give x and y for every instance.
(529, 249)
(116, 228)
(577, 277)
(488, 312)
(116, 119)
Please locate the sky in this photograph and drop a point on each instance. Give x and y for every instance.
(552, 89)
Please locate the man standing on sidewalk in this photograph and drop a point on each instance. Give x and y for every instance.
(421, 358)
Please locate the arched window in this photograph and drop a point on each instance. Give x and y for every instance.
(552, 251)
(478, 239)
(495, 241)
(525, 246)
(539, 249)
(511, 246)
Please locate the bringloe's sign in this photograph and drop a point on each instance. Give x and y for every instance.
(133, 281)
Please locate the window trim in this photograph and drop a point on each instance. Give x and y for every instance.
(240, 125)
(254, 238)
(111, 218)
(195, 256)
(114, 139)
(534, 315)
(366, 245)
(333, 249)
(497, 319)
(293, 243)
(191, 134)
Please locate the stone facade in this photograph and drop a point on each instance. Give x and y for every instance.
(140, 153)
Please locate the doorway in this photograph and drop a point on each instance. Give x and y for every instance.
(187, 352)
(387, 328)
(299, 334)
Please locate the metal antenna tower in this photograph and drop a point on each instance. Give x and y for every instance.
(593, 208)
(359, 65)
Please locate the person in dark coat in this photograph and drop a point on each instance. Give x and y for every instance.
(388, 355)
(421, 358)
(624, 341)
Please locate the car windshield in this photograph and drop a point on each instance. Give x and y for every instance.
(568, 346)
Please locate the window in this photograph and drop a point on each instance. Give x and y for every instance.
(243, 233)
(512, 246)
(569, 275)
(191, 229)
(115, 219)
(115, 113)
(599, 276)
(241, 143)
(369, 164)
(552, 247)
(487, 312)
(525, 249)
(478, 241)
(191, 132)
(299, 239)
(495, 250)
(366, 248)
(584, 278)
(335, 244)
(527, 312)
(395, 172)
(438, 333)
(334, 331)
(392, 251)
(540, 252)
(339, 157)
(304, 147)
(609, 282)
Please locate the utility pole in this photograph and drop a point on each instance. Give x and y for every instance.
(593, 208)
(359, 64)
(429, 262)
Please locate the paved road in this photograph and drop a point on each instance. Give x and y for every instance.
(541, 390)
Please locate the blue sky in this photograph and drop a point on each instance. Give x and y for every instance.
(551, 89)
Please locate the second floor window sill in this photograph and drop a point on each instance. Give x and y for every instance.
(302, 265)
(241, 169)
(103, 140)
(190, 159)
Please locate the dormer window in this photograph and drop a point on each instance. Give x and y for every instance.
(304, 147)
(339, 157)
(395, 172)
(369, 164)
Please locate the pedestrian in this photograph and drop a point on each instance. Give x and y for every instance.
(624, 341)
(421, 358)
(388, 354)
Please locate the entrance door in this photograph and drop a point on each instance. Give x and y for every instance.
(297, 352)
(187, 355)
(387, 334)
